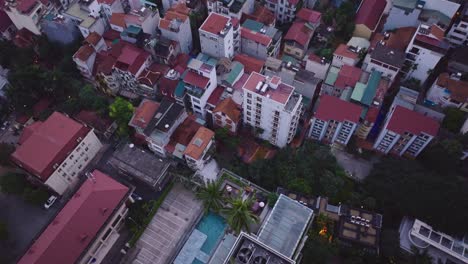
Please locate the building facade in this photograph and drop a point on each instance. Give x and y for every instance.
(272, 108)
(285, 10)
(259, 40)
(175, 25)
(217, 36)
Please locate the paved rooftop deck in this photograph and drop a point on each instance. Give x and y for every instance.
(166, 232)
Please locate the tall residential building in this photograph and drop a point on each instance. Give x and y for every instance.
(271, 107)
(285, 10)
(217, 36)
(27, 13)
(458, 34)
(425, 50)
(406, 132)
(335, 120)
(200, 81)
(258, 40)
(232, 8)
(56, 151)
(175, 25)
(89, 223)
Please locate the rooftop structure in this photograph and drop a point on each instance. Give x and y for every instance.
(81, 220)
(143, 114)
(141, 165)
(309, 15)
(404, 120)
(368, 17)
(333, 108)
(250, 64)
(199, 143)
(49, 144)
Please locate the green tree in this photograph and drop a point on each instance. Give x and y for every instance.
(390, 243)
(12, 183)
(318, 250)
(5, 152)
(121, 111)
(443, 156)
(238, 214)
(420, 257)
(454, 119)
(211, 196)
(36, 196)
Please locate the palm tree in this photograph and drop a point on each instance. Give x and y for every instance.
(211, 195)
(238, 214)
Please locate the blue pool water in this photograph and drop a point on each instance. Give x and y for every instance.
(213, 226)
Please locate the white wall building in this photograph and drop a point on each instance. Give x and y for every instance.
(335, 120)
(285, 10)
(317, 65)
(217, 36)
(197, 154)
(425, 50)
(200, 81)
(233, 8)
(272, 108)
(27, 14)
(458, 34)
(175, 25)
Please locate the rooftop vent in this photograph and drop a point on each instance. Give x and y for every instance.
(166, 126)
(263, 30)
(264, 88)
(259, 86)
(198, 142)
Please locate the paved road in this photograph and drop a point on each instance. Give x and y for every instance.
(357, 168)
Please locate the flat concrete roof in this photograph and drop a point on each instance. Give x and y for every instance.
(76, 11)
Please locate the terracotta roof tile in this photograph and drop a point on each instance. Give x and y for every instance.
(333, 108)
(199, 143)
(214, 23)
(405, 120)
(309, 15)
(398, 39)
(251, 64)
(195, 79)
(255, 36)
(118, 19)
(369, 13)
(144, 113)
(93, 38)
(343, 51)
(299, 33)
(229, 108)
(458, 89)
(84, 52)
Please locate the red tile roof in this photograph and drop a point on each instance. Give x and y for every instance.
(183, 133)
(281, 94)
(230, 109)
(168, 86)
(28, 131)
(348, 76)
(49, 144)
(131, 59)
(299, 33)
(255, 36)
(26, 6)
(144, 113)
(309, 15)
(84, 52)
(458, 89)
(104, 63)
(399, 39)
(171, 14)
(94, 120)
(199, 143)
(214, 23)
(118, 19)
(333, 108)
(196, 80)
(369, 13)
(251, 64)
(343, 51)
(262, 15)
(93, 38)
(151, 75)
(77, 224)
(405, 120)
(215, 96)
(372, 114)
(5, 21)
(24, 38)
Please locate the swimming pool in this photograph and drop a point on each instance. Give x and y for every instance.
(213, 226)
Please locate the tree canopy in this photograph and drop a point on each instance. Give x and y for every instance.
(121, 111)
(454, 119)
(405, 187)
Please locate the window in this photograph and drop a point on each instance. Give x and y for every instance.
(116, 220)
(249, 108)
(249, 101)
(249, 95)
(86, 149)
(106, 235)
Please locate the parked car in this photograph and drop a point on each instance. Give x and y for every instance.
(136, 197)
(50, 201)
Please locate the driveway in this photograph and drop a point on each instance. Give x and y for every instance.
(24, 221)
(356, 168)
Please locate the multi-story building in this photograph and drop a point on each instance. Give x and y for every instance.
(217, 36)
(27, 14)
(368, 17)
(56, 151)
(457, 62)
(200, 81)
(285, 10)
(129, 25)
(296, 41)
(410, 13)
(175, 25)
(85, 57)
(458, 34)
(89, 223)
(262, 15)
(232, 8)
(319, 66)
(272, 108)
(384, 59)
(335, 120)
(425, 50)
(200, 149)
(406, 132)
(258, 40)
(344, 55)
(7, 28)
(86, 15)
(449, 91)
(341, 82)
(227, 114)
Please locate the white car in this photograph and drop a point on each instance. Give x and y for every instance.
(50, 201)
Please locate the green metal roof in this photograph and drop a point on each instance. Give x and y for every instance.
(358, 91)
(287, 58)
(234, 73)
(332, 75)
(252, 25)
(371, 88)
(133, 29)
(180, 89)
(364, 112)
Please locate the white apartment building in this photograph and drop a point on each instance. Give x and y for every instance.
(86, 15)
(217, 36)
(259, 41)
(232, 8)
(285, 10)
(384, 59)
(406, 132)
(319, 66)
(85, 56)
(272, 108)
(458, 34)
(425, 50)
(335, 120)
(27, 14)
(200, 81)
(56, 151)
(197, 153)
(175, 25)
